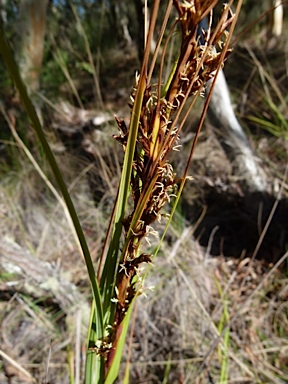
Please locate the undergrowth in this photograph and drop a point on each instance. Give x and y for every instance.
(199, 319)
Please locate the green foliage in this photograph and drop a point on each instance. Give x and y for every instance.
(51, 75)
(275, 123)
(5, 81)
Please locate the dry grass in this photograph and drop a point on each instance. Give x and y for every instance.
(182, 321)
(176, 327)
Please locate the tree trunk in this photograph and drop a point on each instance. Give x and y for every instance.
(140, 32)
(40, 279)
(140, 13)
(3, 12)
(277, 18)
(233, 138)
(120, 21)
(32, 22)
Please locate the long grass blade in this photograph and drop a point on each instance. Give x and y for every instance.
(7, 55)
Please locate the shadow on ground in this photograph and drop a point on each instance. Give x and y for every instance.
(233, 225)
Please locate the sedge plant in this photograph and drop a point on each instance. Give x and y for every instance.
(148, 180)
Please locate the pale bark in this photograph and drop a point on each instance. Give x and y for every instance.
(3, 12)
(39, 279)
(233, 138)
(277, 18)
(32, 23)
(120, 21)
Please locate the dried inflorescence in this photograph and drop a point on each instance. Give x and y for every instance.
(153, 180)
